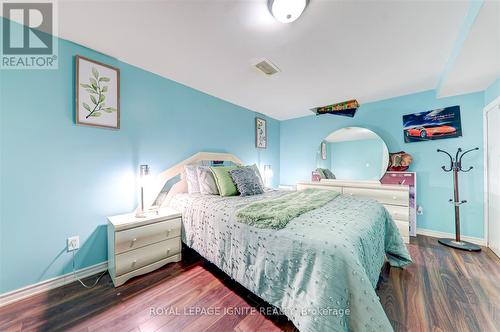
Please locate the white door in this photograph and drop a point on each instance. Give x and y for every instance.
(493, 148)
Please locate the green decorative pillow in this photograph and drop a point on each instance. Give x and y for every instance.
(224, 180)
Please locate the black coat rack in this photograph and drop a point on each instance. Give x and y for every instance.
(456, 166)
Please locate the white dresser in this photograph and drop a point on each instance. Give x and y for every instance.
(395, 198)
(140, 245)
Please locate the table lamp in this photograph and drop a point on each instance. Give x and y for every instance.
(143, 177)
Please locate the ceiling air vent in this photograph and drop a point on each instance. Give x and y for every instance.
(267, 67)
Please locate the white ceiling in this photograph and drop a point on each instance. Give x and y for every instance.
(337, 50)
(478, 64)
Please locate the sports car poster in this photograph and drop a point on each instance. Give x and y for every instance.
(431, 125)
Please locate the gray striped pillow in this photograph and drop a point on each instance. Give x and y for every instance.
(246, 181)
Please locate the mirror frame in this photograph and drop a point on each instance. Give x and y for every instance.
(323, 149)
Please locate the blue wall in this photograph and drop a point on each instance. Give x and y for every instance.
(356, 160)
(59, 179)
(300, 139)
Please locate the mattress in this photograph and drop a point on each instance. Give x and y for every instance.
(321, 270)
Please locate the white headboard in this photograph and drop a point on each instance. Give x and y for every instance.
(156, 186)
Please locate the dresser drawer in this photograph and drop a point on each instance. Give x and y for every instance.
(403, 227)
(398, 212)
(391, 197)
(135, 259)
(312, 186)
(144, 235)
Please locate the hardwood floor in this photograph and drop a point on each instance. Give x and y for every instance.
(444, 290)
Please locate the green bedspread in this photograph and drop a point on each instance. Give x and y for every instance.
(320, 270)
(276, 213)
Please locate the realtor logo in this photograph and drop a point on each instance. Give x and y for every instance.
(27, 35)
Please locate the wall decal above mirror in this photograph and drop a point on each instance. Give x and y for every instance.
(352, 153)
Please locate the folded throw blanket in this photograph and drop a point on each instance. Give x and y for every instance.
(276, 213)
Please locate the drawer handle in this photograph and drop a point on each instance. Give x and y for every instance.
(394, 197)
(168, 232)
(134, 262)
(168, 250)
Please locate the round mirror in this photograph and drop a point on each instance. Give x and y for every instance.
(352, 153)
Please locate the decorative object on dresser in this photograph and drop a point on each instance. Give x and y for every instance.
(315, 176)
(97, 94)
(409, 179)
(399, 161)
(140, 245)
(260, 133)
(456, 166)
(395, 198)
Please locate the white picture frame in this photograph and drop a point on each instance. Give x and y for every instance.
(260, 133)
(323, 150)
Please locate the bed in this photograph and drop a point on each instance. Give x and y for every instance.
(320, 270)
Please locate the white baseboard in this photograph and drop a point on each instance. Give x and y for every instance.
(49, 284)
(428, 232)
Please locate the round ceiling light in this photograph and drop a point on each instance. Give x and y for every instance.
(286, 11)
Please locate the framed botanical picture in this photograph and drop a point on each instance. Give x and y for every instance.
(323, 150)
(97, 94)
(260, 133)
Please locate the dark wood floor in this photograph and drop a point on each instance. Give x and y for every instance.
(444, 290)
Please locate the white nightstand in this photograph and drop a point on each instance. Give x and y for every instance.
(140, 245)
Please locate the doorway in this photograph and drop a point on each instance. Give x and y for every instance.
(492, 174)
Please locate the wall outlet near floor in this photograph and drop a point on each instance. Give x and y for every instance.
(420, 210)
(73, 243)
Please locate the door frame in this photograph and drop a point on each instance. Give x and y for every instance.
(492, 105)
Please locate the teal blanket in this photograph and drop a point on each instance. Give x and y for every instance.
(276, 213)
(320, 270)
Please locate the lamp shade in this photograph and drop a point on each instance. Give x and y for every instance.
(144, 171)
(268, 175)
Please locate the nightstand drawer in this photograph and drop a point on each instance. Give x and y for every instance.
(144, 235)
(135, 259)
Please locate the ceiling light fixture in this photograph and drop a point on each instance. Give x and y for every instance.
(287, 11)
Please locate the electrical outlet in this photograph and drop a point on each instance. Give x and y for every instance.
(73, 243)
(420, 210)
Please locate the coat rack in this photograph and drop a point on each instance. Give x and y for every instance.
(456, 166)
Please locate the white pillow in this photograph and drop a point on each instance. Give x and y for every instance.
(192, 179)
(206, 181)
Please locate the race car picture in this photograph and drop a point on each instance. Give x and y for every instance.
(423, 132)
(430, 125)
